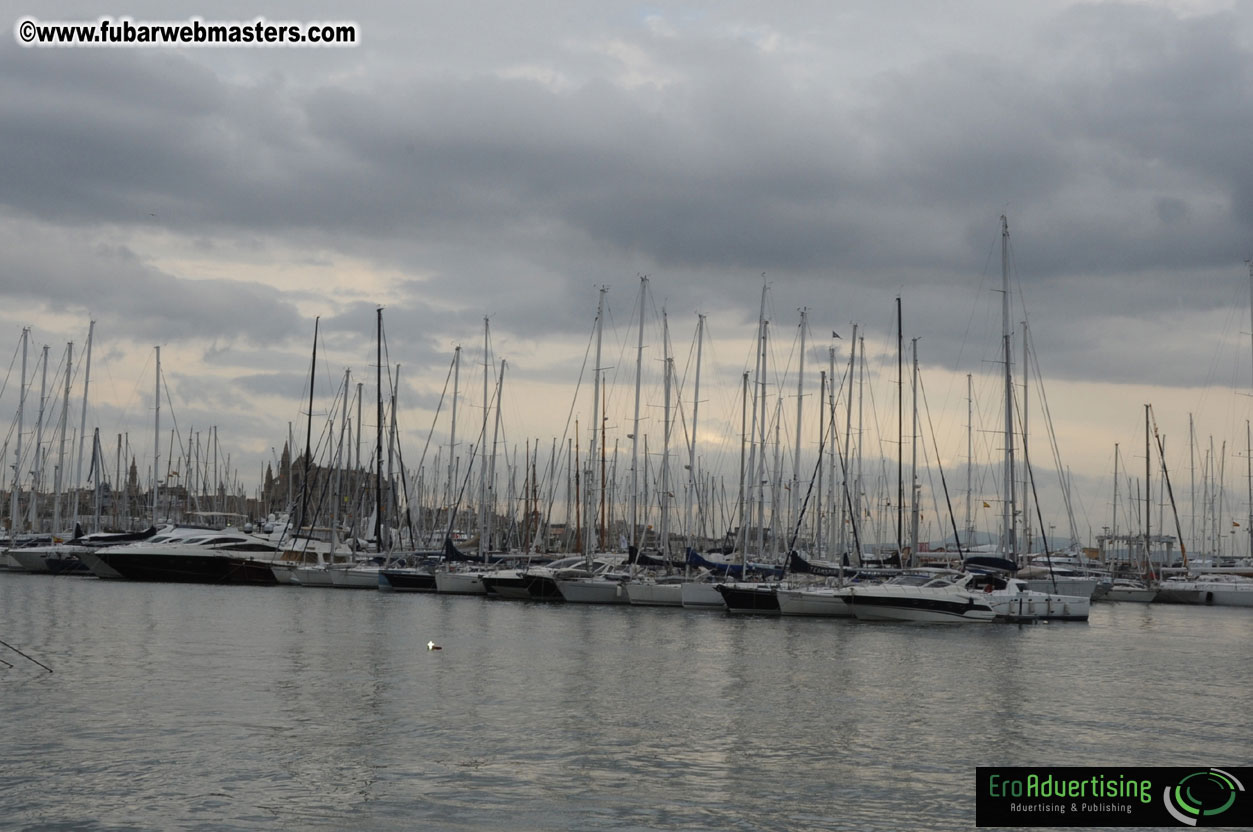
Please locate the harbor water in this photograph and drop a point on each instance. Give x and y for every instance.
(220, 708)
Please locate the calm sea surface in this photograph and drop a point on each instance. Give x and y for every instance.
(195, 707)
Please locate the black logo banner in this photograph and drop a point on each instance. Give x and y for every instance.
(1028, 796)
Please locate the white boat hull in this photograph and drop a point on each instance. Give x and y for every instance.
(1035, 607)
(864, 613)
(354, 578)
(315, 576)
(702, 596)
(1065, 585)
(1229, 592)
(1130, 595)
(1229, 598)
(919, 604)
(592, 591)
(829, 603)
(460, 583)
(655, 595)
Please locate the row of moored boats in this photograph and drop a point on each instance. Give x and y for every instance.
(983, 591)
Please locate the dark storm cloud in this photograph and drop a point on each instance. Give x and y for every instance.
(85, 274)
(1113, 135)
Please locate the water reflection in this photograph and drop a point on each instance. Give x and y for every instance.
(302, 708)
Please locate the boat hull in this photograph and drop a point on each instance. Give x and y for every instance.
(1066, 585)
(868, 606)
(58, 560)
(354, 578)
(459, 583)
(753, 599)
(407, 580)
(656, 595)
(511, 585)
(829, 603)
(1130, 595)
(189, 569)
(99, 568)
(591, 591)
(1036, 608)
(702, 595)
(542, 587)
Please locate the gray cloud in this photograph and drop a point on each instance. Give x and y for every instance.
(850, 158)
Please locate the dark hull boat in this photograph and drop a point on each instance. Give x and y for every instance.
(407, 580)
(210, 567)
(759, 599)
(508, 583)
(212, 558)
(542, 587)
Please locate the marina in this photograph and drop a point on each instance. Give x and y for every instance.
(619, 416)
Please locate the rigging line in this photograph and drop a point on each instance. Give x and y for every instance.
(1048, 557)
(1052, 434)
(943, 482)
(435, 418)
(800, 515)
(24, 656)
(565, 433)
(17, 349)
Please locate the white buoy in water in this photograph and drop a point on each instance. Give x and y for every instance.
(430, 645)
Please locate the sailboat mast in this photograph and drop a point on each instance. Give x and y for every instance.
(846, 503)
(761, 438)
(339, 459)
(970, 455)
(449, 496)
(743, 508)
(835, 528)
(591, 454)
(665, 449)
(1148, 490)
(1114, 525)
(691, 451)
(37, 481)
(65, 412)
(482, 463)
(915, 487)
(17, 451)
(378, 442)
(156, 438)
(635, 427)
(794, 494)
(900, 432)
(819, 538)
(82, 425)
(305, 485)
(1007, 518)
(1026, 460)
(491, 480)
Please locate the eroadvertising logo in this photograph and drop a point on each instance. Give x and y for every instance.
(1076, 796)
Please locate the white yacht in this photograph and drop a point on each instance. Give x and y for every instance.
(923, 596)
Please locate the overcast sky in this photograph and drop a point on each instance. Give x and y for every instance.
(504, 160)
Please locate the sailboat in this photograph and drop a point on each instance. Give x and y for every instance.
(593, 582)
